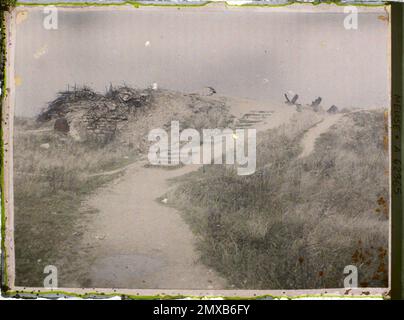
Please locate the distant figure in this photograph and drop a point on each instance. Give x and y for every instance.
(291, 98)
(316, 102)
(212, 90)
(207, 91)
(333, 109)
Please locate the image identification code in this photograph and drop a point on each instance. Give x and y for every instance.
(202, 309)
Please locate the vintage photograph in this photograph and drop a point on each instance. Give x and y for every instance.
(201, 148)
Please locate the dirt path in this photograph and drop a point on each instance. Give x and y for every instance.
(145, 244)
(136, 241)
(309, 138)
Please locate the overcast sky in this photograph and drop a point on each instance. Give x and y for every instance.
(258, 54)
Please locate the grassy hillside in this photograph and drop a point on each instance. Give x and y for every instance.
(49, 185)
(297, 222)
(54, 173)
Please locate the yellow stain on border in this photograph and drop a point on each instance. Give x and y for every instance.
(17, 81)
(383, 18)
(41, 51)
(386, 143)
(21, 16)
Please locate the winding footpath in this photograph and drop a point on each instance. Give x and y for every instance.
(134, 240)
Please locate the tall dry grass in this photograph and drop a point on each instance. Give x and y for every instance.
(297, 222)
(49, 186)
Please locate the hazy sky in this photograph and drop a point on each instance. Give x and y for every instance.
(259, 54)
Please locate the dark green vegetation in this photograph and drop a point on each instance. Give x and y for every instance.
(7, 4)
(297, 222)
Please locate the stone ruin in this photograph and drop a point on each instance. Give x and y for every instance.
(61, 125)
(86, 115)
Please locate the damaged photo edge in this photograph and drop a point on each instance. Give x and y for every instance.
(7, 219)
